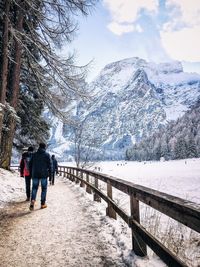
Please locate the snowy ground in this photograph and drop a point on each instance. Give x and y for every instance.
(64, 234)
(11, 187)
(180, 178)
(74, 229)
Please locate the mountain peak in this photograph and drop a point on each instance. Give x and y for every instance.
(140, 75)
(133, 98)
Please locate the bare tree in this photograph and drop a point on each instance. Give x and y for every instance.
(87, 145)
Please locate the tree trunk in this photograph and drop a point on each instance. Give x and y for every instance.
(6, 143)
(4, 67)
(8, 136)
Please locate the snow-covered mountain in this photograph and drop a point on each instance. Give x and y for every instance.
(131, 99)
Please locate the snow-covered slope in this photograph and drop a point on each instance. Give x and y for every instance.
(132, 98)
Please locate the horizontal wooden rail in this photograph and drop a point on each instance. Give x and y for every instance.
(14, 167)
(107, 199)
(185, 212)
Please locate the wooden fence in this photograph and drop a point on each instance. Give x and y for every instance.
(183, 211)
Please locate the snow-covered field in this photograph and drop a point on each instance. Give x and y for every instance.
(180, 178)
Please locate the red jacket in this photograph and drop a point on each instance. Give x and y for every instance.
(24, 164)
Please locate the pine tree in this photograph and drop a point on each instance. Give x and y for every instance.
(32, 29)
(180, 148)
(191, 148)
(32, 128)
(4, 47)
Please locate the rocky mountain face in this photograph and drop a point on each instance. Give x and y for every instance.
(130, 100)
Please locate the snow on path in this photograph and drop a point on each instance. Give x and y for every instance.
(64, 234)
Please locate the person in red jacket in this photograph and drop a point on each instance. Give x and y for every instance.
(25, 171)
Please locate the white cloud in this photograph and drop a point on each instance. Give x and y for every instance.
(185, 11)
(120, 29)
(138, 28)
(183, 44)
(127, 11)
(180, 36)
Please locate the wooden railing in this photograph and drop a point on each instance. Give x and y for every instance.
(15, 167)
(183, 211)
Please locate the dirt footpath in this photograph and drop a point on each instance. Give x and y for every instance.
(64, 234)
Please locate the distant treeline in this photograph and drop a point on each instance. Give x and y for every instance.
(177, 140)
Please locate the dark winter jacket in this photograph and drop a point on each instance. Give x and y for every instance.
(40, 164)
(54, 165)
(24, 164)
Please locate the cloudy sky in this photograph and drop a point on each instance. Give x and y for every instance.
(156, 30)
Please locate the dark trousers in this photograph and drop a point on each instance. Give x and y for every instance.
(52, 177)
(28, 186)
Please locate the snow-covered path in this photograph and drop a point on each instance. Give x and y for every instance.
(64, 234)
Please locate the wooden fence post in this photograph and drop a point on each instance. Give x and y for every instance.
(77, 180)
(139, 246)
(109, 210)
(68, 174)
(96, 196)
(82, 184)
(72, 174)
(88, 188)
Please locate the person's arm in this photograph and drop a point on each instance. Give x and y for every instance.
(21, 166)
(30, 165)
(50, 167)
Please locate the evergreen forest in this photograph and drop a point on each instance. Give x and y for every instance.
(178, 139)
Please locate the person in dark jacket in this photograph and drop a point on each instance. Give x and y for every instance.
(54, 169)
(41, 169)
(25, 170)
